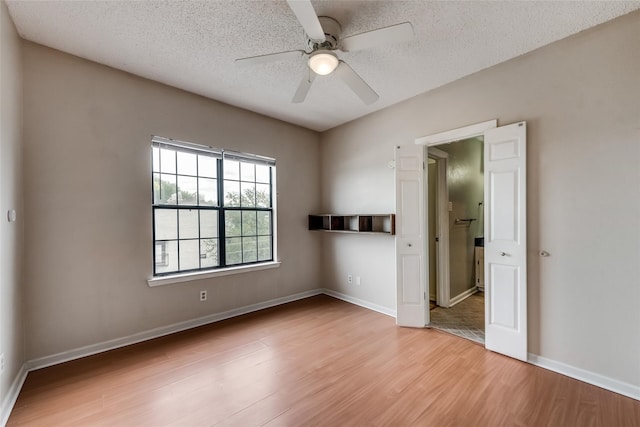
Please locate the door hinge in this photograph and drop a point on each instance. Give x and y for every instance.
(425, 295)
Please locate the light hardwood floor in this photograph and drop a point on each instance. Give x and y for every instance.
(320, 362)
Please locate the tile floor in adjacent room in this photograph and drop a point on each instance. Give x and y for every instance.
(465, 319)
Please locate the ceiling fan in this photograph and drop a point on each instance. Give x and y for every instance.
(323, 41)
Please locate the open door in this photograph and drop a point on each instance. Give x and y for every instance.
(505, 245)
(411, 242)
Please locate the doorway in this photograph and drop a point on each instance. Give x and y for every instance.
(505, 233)
(455, 193)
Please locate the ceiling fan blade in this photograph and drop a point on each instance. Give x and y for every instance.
(356, 84)
(306, 14)
(270, 57)
(303, 88)
(383, 36)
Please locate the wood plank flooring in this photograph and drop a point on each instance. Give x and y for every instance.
(320, 362)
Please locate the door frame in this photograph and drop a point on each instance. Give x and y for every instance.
(442, 266)
(430, 142)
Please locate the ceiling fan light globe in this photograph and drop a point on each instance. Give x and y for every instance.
(323, 63)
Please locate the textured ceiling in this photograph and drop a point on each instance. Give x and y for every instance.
(192, 45)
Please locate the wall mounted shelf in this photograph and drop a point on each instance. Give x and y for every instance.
(357, 223)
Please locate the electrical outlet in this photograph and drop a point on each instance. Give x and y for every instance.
(1, 363)
(203, 295)
(349, 279)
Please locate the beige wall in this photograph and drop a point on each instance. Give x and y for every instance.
(11, 234)
(466, 190)
(581, 100)
(88, 194)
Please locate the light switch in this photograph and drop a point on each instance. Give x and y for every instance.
(450, 207)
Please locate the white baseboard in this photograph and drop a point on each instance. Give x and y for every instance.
(12, 395)
(461, 297)
(89, 350)
(357, 301)
(588, 377)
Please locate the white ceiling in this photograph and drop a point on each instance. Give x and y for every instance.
(192, 45)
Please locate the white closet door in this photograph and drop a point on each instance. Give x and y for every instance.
(411, 241)
(505, 240)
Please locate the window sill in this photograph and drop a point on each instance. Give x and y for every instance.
(187, 277)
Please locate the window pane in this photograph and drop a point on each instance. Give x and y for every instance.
(209, 253)
(207, 166)
(189, 254)
(187, 190)
(264, 248)
(208, 191)
(188, 221)
(264, 222)
(247, 171)
(166, 222)
(156, 159)
(262, 174)
(232, 225)
(248, 223)
(187, 163)
(231, 170)
(156, 188)
(164, 189)
(231, 193)
(263, 196)
(208, 223)
(233, 249)
(167, 161)
(249, 249)
(160, 253)
(248, 194)
(166, 261)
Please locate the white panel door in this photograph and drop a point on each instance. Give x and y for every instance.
(411, 242)
(505, 248)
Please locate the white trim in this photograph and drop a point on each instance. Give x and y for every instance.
(462, 296)
(12, 395)
(187, 277)
(457, 134)
(588, 377)
(163, 141)
(443, 268)
(360, 302)
(92, 349)
(438, 153)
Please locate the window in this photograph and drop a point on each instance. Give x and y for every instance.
(211, 208)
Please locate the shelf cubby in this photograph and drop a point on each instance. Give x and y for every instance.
(355, 223)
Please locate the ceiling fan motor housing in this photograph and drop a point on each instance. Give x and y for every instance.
(332, 31)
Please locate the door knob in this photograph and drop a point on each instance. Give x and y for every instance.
(503, 254)
(409, 244)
